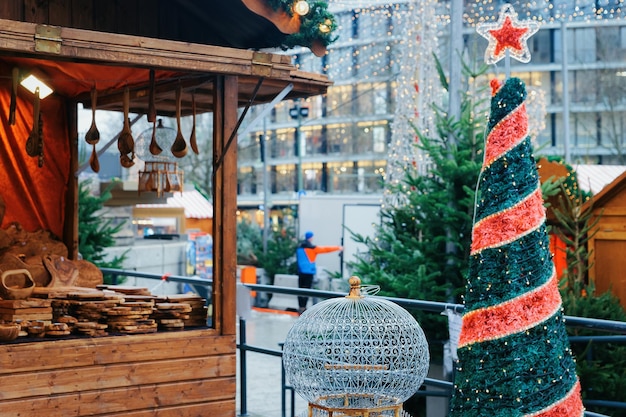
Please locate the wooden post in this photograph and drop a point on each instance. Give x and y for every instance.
(225, 205)
(70, 221)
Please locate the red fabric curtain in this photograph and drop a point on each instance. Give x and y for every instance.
(34, 195)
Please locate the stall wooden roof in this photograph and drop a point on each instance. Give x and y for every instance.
(86, 59)
(185, 41)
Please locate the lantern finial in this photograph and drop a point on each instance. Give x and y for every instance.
(355, 287)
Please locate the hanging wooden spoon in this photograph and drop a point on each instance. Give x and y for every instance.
(179, 147)
(93, 160)
(15, 82)
(40, 142)
(152, 113)
(93, 135)
(32, 143)
(154, 147)
(192, 138)
(125, 141)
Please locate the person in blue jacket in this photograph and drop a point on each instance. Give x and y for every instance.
(306, 254)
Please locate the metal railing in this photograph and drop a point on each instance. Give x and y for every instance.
(616, 327)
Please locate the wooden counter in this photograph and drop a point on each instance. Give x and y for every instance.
(182, 373)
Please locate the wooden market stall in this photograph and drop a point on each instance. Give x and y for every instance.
(607, 246)
(146, 51)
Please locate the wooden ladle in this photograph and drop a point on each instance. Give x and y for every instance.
(15, 82)
(125, 141)
(93, 135)
(192, 138)
(152, 113)
(32, 143)
(179, 147)
(154, 147)
(93, 160)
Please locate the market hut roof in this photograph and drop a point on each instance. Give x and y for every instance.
(196, 206)
(64, 43)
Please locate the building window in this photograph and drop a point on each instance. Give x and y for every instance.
(342, 177)
(312, 140)
(584, 47)
(339, 101)
(248, 148)
(372, 98)
(285, 178)
(370, 176)
(584, 87)
(338, 138)
(541, 46)
(282, 143)
(246, 180)
(312, 176)
(379, 136)
(350, 177)
(370, 137)
(340, 63)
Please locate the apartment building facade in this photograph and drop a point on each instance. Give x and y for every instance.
(345, 135)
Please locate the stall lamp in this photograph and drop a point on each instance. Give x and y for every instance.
(301, 7)
(31, 83)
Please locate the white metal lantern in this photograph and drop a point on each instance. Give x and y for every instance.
(357, 355)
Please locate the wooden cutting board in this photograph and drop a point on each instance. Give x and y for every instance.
(27, 303)
(22, 311)
(62, 292)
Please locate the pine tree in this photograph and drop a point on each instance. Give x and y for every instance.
(96, 233)
(514, 355)
(407, 258)
(279, 257)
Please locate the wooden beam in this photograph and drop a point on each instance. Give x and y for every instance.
(70, 222)
(81, 45)
(225, 204)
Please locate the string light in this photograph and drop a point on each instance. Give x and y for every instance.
(416, 92)
(301, 7)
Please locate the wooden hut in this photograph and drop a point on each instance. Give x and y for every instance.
(193, 212)
(608, 245)
(143, 50)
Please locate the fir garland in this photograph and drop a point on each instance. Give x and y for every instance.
(317, 25)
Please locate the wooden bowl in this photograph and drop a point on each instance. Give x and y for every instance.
(9, 331)
(16, 284)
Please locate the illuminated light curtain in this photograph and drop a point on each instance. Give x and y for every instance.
(417, 90)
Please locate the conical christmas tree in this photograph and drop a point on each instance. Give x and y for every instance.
(514, 355)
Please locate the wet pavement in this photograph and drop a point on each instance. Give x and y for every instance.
(265, 330)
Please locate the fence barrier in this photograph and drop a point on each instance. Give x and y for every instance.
(609, 326)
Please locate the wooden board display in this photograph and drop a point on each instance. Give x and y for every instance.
(180, 374)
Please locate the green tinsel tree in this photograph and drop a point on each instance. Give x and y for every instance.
(514, 355)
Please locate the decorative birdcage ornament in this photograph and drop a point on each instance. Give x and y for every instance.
(358, 355)
(160, 173)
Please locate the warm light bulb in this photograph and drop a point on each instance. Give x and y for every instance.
(301, 7)
(325, 27)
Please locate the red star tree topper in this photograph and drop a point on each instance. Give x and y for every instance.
(507, 34)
